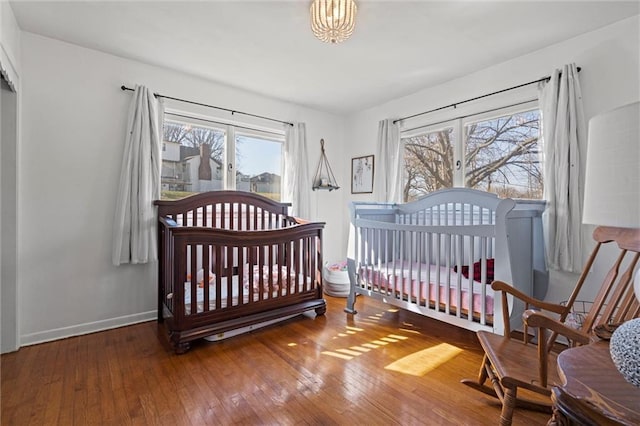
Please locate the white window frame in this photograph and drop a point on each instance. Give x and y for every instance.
(231, 129)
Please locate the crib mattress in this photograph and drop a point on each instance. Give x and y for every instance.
(412, 281)
(282, 290)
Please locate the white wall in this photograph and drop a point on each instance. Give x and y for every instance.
(72, 142)
(609, 58)
(9, 123)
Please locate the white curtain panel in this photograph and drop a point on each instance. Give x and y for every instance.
(134, 228)
(564, 142)
(387, 182)
(297, 183)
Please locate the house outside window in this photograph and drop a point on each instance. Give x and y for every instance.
(202, 155)
(501, 153)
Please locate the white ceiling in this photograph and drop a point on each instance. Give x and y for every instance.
(267, 47)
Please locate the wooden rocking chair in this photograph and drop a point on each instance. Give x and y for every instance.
(521, 364)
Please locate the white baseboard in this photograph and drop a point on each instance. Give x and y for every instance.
(86, 328)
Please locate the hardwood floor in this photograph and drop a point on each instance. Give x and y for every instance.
(381, 366)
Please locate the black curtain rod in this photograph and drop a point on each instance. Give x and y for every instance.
(468, 115)
(175, 114)
(455, 104)
(232, 111)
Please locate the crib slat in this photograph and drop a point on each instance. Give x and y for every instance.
(205, 277)
(308, 272)
(229, 275)
(219, 265)
(223, 216)
(460, 260)
(483, 282)
(472, 244)
(253, 252)
(278, 253)
(447, 263)
(292, 281)
(240, 265)
(260, 276)
(420, 295)
(314, 265)
(296, 261)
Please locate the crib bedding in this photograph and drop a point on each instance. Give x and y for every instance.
(278, 290)
(395, 277)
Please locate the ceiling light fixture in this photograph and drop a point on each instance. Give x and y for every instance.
(332, 21)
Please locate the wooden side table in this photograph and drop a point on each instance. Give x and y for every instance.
(594, 392)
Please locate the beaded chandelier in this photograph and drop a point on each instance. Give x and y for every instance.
(332, 21)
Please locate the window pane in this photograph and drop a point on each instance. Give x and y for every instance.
(184, 148)
(428, 163)
(503, 156)
(258, 166)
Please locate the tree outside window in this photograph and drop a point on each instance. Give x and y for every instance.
(501, 155)
(428, 163)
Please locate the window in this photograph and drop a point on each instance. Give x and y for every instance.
(500, 154)
(428, 159)
(258, 162)
(235, 157)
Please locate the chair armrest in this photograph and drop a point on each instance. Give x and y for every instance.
(504, 287)
(535, 319)
(538, 320)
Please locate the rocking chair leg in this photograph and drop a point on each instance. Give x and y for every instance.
(479, 384)
(482, 376)
(508, 405)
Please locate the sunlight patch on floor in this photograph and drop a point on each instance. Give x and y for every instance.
(348, 352)
(354, 351)
(337, 355)
(398, 337)
(421, 362)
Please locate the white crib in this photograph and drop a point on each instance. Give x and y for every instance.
(438, 255)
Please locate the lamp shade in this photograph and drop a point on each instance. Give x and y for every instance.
(612, 185)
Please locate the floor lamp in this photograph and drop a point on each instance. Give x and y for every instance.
(612, 198)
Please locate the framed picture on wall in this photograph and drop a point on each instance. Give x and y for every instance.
(362, 175)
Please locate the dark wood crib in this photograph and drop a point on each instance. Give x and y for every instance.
(230, 260)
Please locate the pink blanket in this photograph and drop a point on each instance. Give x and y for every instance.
(406, 281)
